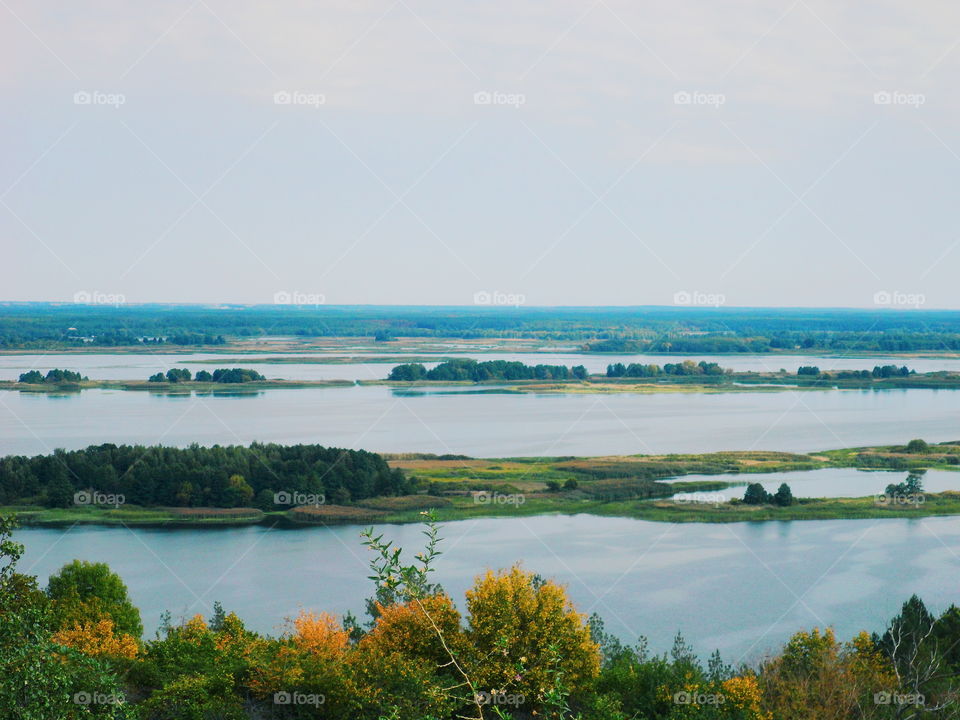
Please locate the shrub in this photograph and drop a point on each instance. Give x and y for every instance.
(525, 634)
(85, 593)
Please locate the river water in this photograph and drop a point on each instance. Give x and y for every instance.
(742, 588)
(482, 425)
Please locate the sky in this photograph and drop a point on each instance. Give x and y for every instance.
(602, 152)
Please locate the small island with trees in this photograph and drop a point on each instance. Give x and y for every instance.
(220, 375)
(686, 375)
(515, 376)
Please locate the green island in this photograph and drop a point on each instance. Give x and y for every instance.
(175, 380)
(501, 376)
(306, 485)
(685, 376)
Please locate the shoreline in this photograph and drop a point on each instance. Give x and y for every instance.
(945, 504)
(409, 346)
(734, 382)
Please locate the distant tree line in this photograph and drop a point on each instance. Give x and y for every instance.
(879, 371)
(35, 377)
(733, 342)
(220, 375)
(474, 371)
(218, 476)
(687, 367)
(623, 330)
(680, 344)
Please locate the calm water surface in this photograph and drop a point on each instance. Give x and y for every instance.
(742, 588)
(483, 425)
(827, 483)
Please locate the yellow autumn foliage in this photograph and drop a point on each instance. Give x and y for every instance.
(320, 634)
(527, 635)
(98, 639)
(312, 651)
(418, 628)
(742, 698)
(818, 678)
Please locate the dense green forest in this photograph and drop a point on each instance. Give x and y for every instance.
(475, 371)
(218, 476)
(220, 375)
(687, 367)
(601, 329)
(516, 649)
(55, 376)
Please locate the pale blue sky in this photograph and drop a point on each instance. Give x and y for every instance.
(585, 180)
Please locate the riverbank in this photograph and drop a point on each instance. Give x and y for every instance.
(746, 381)
(668, 511)
(702, 383)
(168, 387)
